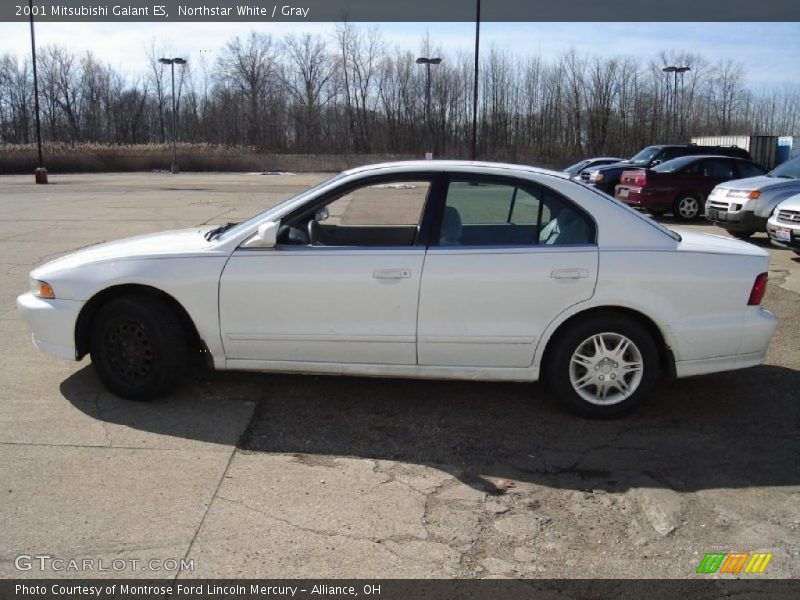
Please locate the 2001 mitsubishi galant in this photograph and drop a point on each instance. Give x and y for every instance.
(433, 269)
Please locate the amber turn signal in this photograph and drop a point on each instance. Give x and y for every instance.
(41, 289)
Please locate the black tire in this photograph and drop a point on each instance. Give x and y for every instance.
(138, 347)
(558, 366)
(742, 235)
(687, 206)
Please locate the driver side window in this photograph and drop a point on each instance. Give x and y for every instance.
(379, 214)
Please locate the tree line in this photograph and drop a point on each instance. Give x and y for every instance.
(350, 93)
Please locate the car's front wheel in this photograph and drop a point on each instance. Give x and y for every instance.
(138, 347)
(603, 366)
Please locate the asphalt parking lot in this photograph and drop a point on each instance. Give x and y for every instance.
(256, 475)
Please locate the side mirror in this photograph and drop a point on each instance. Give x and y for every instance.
(266, 237)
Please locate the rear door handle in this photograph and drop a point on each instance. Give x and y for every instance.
(392, 274)
(569, 274)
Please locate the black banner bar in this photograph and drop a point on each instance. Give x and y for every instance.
(402, 10)
(393, 589)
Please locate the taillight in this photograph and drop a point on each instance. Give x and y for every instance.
(759, 288)
(637, 178)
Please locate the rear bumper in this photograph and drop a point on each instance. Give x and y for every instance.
(758, 327)
(52, 323)
(744, 220)
(643, 198)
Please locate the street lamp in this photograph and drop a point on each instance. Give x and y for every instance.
(474, 146)
(172, 62)
(675, 70)
(424, 60)
(41, 172)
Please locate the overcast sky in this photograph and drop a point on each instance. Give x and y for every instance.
(770, 51)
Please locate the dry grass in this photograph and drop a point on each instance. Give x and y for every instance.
(100, 158)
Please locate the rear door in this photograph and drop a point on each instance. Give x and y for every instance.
(508, 257)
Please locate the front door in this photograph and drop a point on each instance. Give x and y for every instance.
(341, 286)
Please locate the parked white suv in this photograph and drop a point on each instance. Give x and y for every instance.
(742, 206)
(783, 226)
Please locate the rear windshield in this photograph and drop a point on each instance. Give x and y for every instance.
(676, 164)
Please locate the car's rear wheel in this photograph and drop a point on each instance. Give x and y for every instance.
(603, 366)
(138, 347)
(686, 206)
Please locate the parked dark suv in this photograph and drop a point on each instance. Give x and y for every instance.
(606, 178)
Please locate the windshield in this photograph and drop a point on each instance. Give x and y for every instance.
(790, 169)
(575, 169)
(676, 164)
(645, 156)
(235, 230)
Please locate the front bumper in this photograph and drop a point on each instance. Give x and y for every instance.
(52, 323)
(773, 231)
(743, 220)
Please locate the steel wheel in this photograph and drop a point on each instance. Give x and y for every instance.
(606, 369)
(129, 351)
(138, 347)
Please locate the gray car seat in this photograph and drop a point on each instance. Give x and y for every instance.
(451, 227)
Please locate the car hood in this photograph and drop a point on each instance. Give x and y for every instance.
(694, 241)
(165, 244)
(761, 182)
(791, 203)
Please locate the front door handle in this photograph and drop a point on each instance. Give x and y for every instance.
(392, 274)
(569, 274)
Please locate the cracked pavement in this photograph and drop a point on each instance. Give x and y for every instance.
(256, 475)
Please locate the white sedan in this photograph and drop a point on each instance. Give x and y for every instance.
(431, 269)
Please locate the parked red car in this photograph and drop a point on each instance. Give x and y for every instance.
(681, 185)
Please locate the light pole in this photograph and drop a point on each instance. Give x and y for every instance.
(675, 70)
(41, 172)
(474, 145)
(424, 60)
(172, 62)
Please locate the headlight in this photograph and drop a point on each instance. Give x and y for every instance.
(750, 194)
(42, 289)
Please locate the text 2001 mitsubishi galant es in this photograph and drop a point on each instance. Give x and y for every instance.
(432, 269)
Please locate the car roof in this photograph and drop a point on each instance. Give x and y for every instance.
(691, 157)
(452, 165)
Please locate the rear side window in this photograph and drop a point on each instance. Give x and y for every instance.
(670, 153)
(718, 168)
(490, 213)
